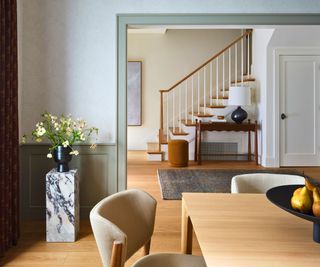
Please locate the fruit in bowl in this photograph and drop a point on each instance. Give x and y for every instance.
(301, 200)
(316, 202)
(306, 199)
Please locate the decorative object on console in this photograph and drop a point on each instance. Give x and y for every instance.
(62, 132)
(239, 96)
(62, 157)
(62, 201)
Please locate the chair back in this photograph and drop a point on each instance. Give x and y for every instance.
(262, 182)
(125, 218)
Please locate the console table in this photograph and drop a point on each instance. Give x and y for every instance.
(229, 127)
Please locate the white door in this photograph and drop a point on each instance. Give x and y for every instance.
(299, 110)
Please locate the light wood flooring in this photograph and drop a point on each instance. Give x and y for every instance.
(32, 249)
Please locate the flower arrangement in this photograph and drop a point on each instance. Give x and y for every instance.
(62, 131)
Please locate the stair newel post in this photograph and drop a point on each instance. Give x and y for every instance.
(211, 83)
(192, 88)
(198, 99)
(161, 118)
(186, 102)
(196, 142)
(236, 63)
(223, 75)
(180, 110)
(217, 81)
(204, 89)
(167, 116)
(173, 111)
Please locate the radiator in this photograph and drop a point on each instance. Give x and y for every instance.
(220, 148)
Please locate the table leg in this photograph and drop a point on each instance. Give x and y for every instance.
(186, 231)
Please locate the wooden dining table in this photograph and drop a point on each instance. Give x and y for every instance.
(246, 230)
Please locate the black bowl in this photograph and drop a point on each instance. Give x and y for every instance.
(281, 197)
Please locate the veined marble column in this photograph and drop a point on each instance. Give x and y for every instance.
(62, 197)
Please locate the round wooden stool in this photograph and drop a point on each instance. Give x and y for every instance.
(178, 153)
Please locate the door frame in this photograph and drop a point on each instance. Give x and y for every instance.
(123, 20)
(284, 51)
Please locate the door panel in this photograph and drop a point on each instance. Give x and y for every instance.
(299, 101)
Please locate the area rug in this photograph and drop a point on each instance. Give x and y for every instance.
(175, 181)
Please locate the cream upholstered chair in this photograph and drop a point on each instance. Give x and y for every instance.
(123, 223)
(262, 182)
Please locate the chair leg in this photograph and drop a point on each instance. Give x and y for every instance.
(116, 255)
(146, 248)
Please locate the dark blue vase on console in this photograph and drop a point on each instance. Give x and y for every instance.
(239, 115)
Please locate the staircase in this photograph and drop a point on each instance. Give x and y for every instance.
(202, 95)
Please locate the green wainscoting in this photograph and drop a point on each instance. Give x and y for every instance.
(97, 169)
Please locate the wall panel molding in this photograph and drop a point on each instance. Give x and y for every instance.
(97, 170)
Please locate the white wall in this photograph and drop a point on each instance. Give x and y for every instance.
(67, 51)
(260, 41)
(166, 59)
(283, 37)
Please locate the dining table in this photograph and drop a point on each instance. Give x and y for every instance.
(246, 230)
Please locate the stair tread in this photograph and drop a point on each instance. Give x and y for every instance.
(245, 79)
(239, 81)
(154, 152)
(221, 97)
(188, 122)
(176, 131)
(213, 106)
(202, 115)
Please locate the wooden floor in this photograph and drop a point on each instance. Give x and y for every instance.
(32, 249)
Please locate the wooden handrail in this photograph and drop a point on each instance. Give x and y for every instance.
(205, 63)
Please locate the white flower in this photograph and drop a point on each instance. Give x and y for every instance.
(93, 146)
(65, 143)
(82, 137)
(74, 152)
(41, 131)
(49, 155)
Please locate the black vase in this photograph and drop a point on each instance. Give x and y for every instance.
(62, 156)
(239, 115)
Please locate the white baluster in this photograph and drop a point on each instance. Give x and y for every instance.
(217, 81)
(186, 103)
(235, 64)
(229, 72)
(192, 111)
(167, 117)
(211, 83)
(242, 61)
(248, 56)
(198, 92)
(204, 89)
(223, 75)
(180, 108)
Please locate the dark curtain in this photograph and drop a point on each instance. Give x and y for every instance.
(9, 144)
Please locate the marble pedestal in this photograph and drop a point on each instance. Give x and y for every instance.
(62, 197)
